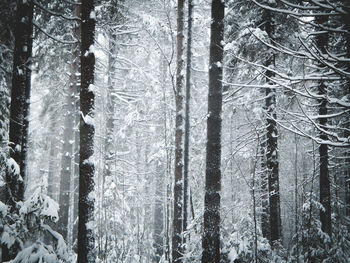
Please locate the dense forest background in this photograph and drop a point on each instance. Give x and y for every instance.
(175, 131)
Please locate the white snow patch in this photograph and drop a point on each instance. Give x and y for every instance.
(92, 15)
(89, 120)
(232, 255)
(11, 163)
(3, 209)
(92, 88)
(92, 49)
(7, 239)
(90, 225)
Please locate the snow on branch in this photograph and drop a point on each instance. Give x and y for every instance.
(71, 18)
(292, 13)
(52, 37)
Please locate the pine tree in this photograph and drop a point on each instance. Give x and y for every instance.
(177, 249)
(19, 110)
(67, 168)
(187, 114)
(325, 194)
(86, 245)
(211, 234)
(271, 138)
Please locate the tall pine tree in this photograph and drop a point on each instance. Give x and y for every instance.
(211, 234)
(87, 130)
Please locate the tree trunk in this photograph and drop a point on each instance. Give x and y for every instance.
(272, 162)
(178, 183)
(346, 21)
(19, 110)
(325, 195)
(20, 94)
(68, 136)
(211, 234)
(187, 116)
(86, 166)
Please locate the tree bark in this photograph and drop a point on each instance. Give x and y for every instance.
(177, 250)
(211, 234)
(187, 116)
(67, 168)
(20, 94)
(272, 163)
(346, 21)
(19, 110)
(86, 166)
(325, 195)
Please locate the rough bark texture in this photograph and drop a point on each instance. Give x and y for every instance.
(272, 162)
(86, 166)
(19, 110)
(20, 95)
(211, 234)
(346, 21)
(187, 116)
(178, 183)
(325, 194)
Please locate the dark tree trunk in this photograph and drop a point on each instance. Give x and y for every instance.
(272, 162)
(187, 116)
(325, 194)
(178, 183)
(19, 110)
(211, 234)
(20, 94)
(86, 166)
